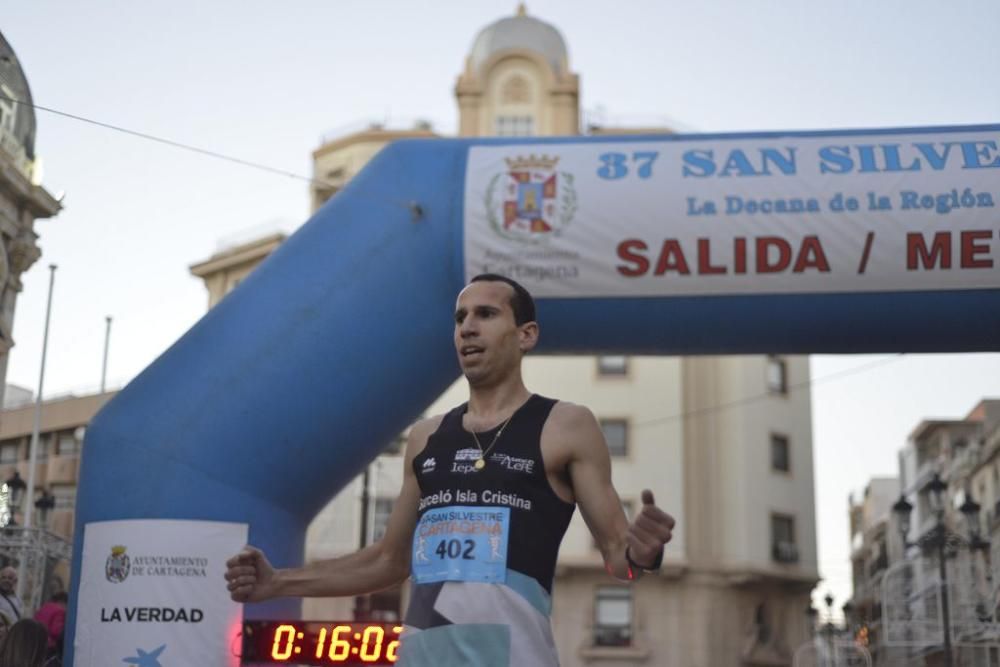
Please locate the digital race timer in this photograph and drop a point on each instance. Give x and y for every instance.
(319, 643)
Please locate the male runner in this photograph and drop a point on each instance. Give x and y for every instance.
(488, 491)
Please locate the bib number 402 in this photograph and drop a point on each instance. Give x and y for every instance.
(456, 549)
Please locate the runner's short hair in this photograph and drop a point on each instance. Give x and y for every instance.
(521, 302)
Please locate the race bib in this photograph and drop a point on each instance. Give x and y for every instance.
(461, 544)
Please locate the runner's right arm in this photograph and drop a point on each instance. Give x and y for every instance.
(251, 578)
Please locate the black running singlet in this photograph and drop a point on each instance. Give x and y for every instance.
(485, 547)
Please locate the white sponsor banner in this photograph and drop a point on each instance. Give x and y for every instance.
(152, 594)
(760, 214)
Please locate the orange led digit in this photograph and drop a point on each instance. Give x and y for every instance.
(369, 652)
(340, 648)
(390, 652)
(320, 642)
(277, 651)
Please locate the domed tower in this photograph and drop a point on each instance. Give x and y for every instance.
(17, 117)
(22, 199)
(517, 82)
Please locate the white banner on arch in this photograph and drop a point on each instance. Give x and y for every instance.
(767, 214)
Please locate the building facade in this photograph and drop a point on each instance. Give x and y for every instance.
(949, 475)
(63, 425)
(22, 198)
(22, 201)
(874, 544)
(724, 442)
(43, 551)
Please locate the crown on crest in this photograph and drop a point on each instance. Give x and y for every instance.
(532, 162)
(117, 550)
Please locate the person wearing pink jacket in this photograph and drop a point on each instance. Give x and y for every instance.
(52, 615)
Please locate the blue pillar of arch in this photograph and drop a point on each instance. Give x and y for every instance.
(281, 394)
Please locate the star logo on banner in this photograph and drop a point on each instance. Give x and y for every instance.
(143, 659)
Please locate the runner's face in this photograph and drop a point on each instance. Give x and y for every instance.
(487, 340)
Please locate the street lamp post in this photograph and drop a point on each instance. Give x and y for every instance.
(829, 629)
(811, 615)
(939, 539)
(848, 609)
(36, 429)
(828, 642)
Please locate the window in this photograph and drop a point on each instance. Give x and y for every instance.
(515, 126)
(10, 451)
(777, 375)
(783, 548)
(7, 108)
(613, 616)
(323, 195)
(612, 365)
(924, 509)
(67, 444)
(983, 516)
(65, 497)
(383, 508)
(779, 453)
(616, 435)
(44, 446)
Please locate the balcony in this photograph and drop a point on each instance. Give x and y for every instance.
(878, 564)
(785, 552)
(870, 593)
(926, 468)
(613, 635)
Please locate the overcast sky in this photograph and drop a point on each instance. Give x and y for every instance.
(264, 81)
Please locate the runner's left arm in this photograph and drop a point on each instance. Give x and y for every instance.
(600, 505)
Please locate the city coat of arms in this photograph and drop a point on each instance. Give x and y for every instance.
(117, 567)
(531, 202)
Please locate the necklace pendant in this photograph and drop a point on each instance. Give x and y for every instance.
(479, 464)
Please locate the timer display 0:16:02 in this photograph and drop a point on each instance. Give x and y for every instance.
(320, 643)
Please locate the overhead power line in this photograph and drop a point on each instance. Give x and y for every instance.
(283, 172)
(170, 142)
(760, 397)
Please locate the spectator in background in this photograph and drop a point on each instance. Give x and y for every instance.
(24, 645)
(5, 623)
(52, 615)
(10, 604)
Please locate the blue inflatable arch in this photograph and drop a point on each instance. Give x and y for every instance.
(283, 392)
